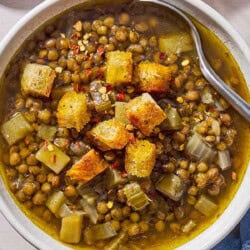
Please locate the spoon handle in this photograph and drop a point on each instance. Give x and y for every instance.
(230, 95)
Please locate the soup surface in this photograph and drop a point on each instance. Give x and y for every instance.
(113, 139)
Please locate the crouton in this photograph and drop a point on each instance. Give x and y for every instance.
(109, 135)
(153, 77)
(119, 68)
(144, 113)
(90, 165)
(140, 158)
(72, 111)
(37, 80)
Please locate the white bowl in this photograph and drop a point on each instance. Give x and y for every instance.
(206, 15)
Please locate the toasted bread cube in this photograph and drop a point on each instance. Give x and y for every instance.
(90, 165)
(119, 67)
(72, 111)
(144, 113)
(140, 158)
(37, 80)
(109, 135)
(153, 77)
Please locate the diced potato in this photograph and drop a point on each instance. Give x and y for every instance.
(109, 135)
(144, 113)
(153, 77)
(71, 228)
(16, 128)
(72, 111)
(37, 80)
(120, 112)
(119, 68)
(55, 201)
(52, 157)
(90, 165)
(140, 158)
(175, 43)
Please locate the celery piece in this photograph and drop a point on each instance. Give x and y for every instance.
(116, 242)
(46, 132)
(224, 159)
(52, 157)
(102, 231)
(136, 198)
(173, 119)
(205, 205)
(199, 149)
(171, 186)
(114, 178)
(120, 112)
(188, 227)
(71, 228)
(57, 93)
(90, 210)
(16, 128)
(55, 202)
(175, 43)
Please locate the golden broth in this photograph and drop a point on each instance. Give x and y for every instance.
(214, 49)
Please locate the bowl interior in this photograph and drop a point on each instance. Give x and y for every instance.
(206, 16)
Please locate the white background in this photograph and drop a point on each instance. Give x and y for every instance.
(236, 11)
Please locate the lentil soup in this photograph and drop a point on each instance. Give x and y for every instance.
(112, 138)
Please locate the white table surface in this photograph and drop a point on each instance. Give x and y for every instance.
(236, 11)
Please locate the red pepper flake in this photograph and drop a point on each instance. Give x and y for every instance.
(95, 119)
(108, 88)
(211, 109)
(101, 73)
(46, 144)
(100, 50)
(120, 96)
(75, 36)
(163, 56)
(114, 166)
(76, 49)
(152, 193)
(123, 174)
(132, 139)
(78, 87)
(88, 72)
(75, 87)
(91, 56)
(234, 176)
(53, 158)
(78, 144)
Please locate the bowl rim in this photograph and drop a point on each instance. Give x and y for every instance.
(201, 239)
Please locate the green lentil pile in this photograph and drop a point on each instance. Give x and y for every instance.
(110, 171)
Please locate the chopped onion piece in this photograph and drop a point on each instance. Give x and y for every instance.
(216, 127)
(224, 159)
(206, 96)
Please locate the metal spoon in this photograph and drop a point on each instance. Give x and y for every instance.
(231, 96)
